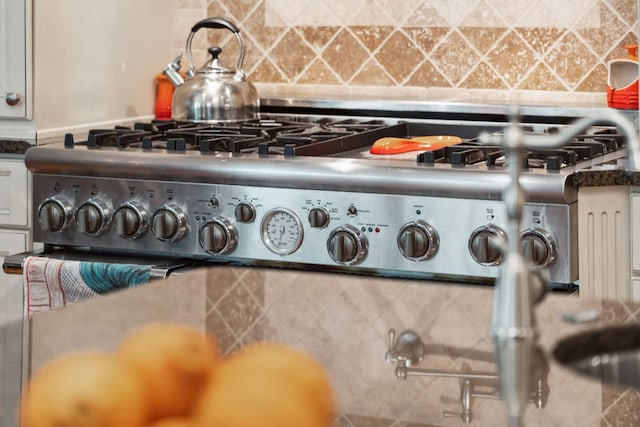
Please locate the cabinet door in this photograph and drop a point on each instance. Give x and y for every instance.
(14, 193)
(13, 57)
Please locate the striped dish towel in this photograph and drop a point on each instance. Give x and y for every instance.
(53, 283)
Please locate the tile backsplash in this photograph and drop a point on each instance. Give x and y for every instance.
(479, 50)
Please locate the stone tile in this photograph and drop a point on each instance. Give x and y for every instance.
(511, 59)
(399, 56)
(318, 37)
(483, 39)
(619, 50)
(595, 81)
(540, 39)
(345, 55)
(372, 14)
(364, 421)
(240, 9)
(454, 57)
(426, 38)
(216, 10)
(318, 73)
(239, 309)
(625, 411)
(292, 55)
(483, 76)
(217, 328)
(253, 280)
(611, 28)
(219, 281)
(614, 312)
(626, 9)
(263, 35)
(266, 71)
(483, 15)
(570, 59)
(372, 37)
(610, 395)
(542, 78)
(426, 15)
(427, 75)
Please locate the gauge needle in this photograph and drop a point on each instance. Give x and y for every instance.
(282, 230)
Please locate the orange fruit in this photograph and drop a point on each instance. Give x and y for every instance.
(172, 422)
(84, 389)
(270, 385)
(174, 361)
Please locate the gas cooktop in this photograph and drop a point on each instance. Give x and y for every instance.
(306, 191)
(341, 138)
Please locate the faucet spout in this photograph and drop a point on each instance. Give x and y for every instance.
(519, 287)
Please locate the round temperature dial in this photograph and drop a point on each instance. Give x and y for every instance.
(282, 231)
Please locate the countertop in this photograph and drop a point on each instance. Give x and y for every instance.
(343, 321)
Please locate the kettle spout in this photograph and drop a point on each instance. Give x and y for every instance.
(172, 71)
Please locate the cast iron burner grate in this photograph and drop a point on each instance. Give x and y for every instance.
(582, 147)
(261, 136)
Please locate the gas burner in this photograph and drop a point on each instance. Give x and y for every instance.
(581, 147)
(262, 136)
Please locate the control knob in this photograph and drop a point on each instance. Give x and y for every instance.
(538, 247)
(130, 221)
(486, 245)
(347, 245)
(54, 214)
(245, 212)
(418, 241)
(168, 223)
(318, 217)
(218, 237)
(92, 217)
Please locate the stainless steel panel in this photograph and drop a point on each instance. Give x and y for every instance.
(379, 216)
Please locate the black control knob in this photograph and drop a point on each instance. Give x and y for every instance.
(347, 245)
(92, 217)
(54, 214)
(318, 217)
(218, 237)
(486, 245)
(538, 247)
(245, 212)
(418, 241)
(130, 221)
(168, 224)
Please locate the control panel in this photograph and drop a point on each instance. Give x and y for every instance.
(402, 234)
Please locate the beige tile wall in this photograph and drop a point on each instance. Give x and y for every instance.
(524, 50)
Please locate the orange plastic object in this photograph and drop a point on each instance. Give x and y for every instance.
(164, 96)
(622, 85)
(393, 145)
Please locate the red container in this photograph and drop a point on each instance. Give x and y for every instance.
(622, 85)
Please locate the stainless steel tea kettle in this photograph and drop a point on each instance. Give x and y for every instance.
(213, 93)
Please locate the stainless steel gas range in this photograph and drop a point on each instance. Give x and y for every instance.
(301, 188)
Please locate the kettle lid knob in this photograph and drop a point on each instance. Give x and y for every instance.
(214, 52)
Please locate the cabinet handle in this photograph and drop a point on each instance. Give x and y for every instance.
(11, 98)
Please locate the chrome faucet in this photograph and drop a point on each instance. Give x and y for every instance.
(519, 287)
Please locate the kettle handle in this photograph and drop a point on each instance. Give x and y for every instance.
(214, 23)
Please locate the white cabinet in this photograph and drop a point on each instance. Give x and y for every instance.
(13, 58)
(635, 244)
(14, 203)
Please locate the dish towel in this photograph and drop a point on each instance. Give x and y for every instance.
(53, 283)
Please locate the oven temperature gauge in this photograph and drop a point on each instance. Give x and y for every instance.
(282, 231)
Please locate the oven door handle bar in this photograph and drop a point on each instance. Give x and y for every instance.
(14, 264)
